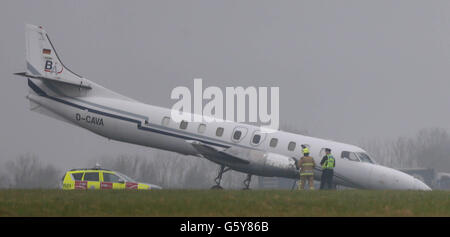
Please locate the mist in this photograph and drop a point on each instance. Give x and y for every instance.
(359, 72)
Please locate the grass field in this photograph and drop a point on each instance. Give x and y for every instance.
(233, 203)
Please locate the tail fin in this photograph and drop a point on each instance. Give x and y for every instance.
(44, 64)
(43, 61)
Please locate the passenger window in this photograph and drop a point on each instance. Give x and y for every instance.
(201, 128)
(291, 146)
(237, 135)
(256, 139)
(219, 132)
(91, 176)
(165, 121)
(183, 124)
(77, 176)
(108, 177)
(273, 142)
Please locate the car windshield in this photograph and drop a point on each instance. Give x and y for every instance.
(126, 178)
(364, 157)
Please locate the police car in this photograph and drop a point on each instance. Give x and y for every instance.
(98, 178)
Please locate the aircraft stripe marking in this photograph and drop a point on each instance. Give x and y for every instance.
(40, 92)
(57, 91)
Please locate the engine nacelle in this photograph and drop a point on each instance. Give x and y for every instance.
(279, 161)
(255, 162)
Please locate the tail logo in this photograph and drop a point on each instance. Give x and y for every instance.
(52, 67)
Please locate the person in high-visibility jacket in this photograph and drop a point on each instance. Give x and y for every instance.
(306, 165)
(328, 163)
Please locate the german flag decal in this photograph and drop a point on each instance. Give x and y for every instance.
(46, 51)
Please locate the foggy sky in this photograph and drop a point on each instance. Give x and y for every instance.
(347, 70)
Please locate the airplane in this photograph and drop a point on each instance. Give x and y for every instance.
(58, 92)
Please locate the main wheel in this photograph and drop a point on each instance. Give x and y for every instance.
(216, 187)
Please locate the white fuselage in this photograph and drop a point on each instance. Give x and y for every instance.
(126, 120)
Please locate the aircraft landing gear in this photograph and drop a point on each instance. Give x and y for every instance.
(218, 179)
(247, 182)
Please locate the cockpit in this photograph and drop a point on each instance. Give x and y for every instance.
(357, 156)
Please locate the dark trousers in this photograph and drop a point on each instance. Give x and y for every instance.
(326, 179)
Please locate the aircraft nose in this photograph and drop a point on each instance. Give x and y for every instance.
(419, 185)
(388, 178)
(410, 182)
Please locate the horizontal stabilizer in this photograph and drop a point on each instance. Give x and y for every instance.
(78, 82)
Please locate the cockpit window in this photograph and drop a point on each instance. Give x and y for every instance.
(350, 156)
(364, 157)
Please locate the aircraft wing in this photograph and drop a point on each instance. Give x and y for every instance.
(228, 155)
